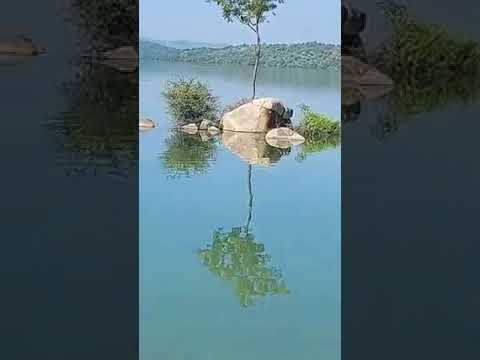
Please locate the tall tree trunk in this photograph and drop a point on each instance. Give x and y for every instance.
(257, 60)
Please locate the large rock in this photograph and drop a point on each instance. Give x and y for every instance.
(362, 81)
(284, 138)
(259, 115)
(21, 46)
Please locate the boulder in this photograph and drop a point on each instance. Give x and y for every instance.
(213, 130)
(146, 124)
(204, 124)
(189, 129)
(284, 138)
(259, 115)
(21, 46)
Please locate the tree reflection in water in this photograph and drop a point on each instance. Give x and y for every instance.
(235, 256)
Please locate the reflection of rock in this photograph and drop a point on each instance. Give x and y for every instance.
(362, 81)
(205, 135)
(123, 59)
(189, 129)
(283, 138)
(260, 115)
(251, 148)
(20, 46)
(146, 124)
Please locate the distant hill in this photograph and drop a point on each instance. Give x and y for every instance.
(153, 50)
(185, 44)
(305, 55)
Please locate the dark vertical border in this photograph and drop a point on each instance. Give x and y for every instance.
(410, 177)
(69, 249)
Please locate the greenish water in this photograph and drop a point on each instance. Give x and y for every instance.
(238, 261)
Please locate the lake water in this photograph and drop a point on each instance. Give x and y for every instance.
(238, 261)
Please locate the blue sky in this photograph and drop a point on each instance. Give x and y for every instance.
(197, 20)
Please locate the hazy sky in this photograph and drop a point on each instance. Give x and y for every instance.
(197, 20)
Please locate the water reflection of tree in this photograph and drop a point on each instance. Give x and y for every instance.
(187, 155)
(99, 129)
(235, 256)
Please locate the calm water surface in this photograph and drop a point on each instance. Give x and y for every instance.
(237, 264)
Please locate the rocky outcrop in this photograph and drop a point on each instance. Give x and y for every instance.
(283, 138)
(21, 46)
(259, 115)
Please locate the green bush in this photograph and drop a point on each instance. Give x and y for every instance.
(190, 100)
(317, 126)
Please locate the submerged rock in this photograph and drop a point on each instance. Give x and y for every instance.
(189, 129)
(284, 138)
(146, 124)
(259, 115)
(21, 46)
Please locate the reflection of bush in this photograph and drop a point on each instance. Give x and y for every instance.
(100, 126)
(187, 154)
(236, 257)
(317, 145)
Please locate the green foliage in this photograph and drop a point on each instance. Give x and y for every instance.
(430, 66)
(190, 100)
(187, 155)
(307, 55)
(108, 23)
(236, 257)
(247, 12)
(311, 55)
(315, 126)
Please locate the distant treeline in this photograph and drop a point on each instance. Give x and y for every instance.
(305, 55)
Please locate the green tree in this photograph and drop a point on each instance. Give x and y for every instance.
(251, 13)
